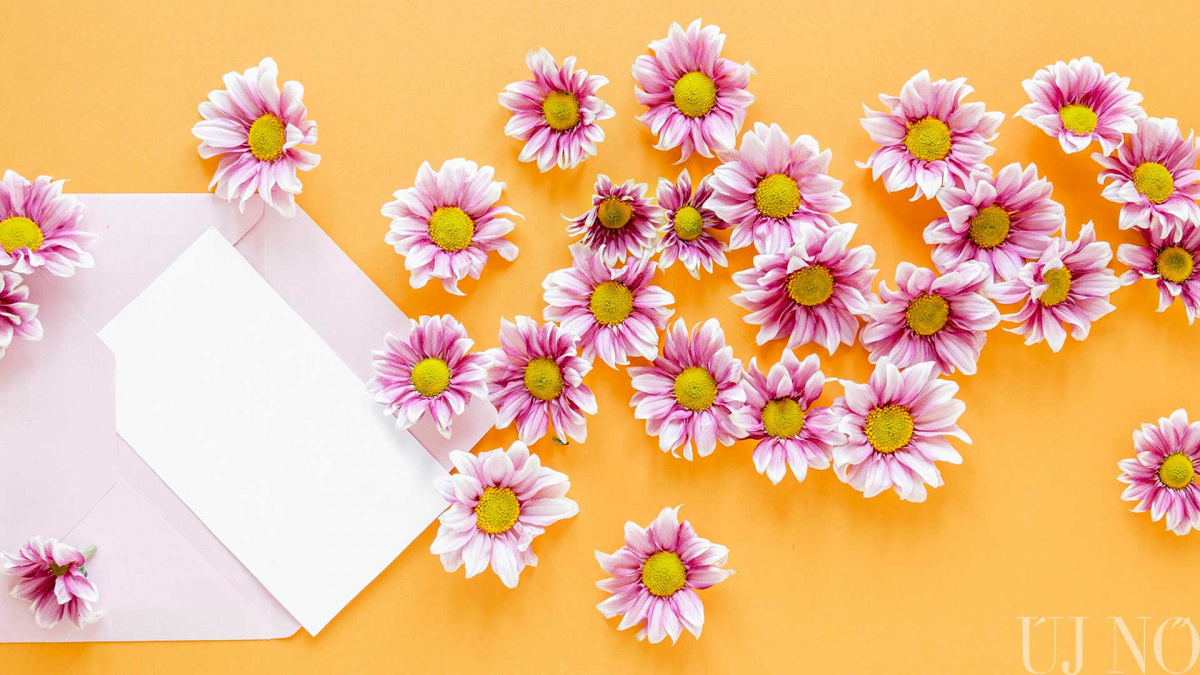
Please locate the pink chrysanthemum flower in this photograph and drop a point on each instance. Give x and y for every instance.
(943, 319)
(615, 312)
(1001, 221)
(556, 113)
(1078, 103)
(928, 137)
(656, 574)
(772, 189)
(448, 222)
(1154, 177)
(430, 372)
(690, 392)
(1069, 284)
(691, 223)
(40, 227)
(897, 427)
(1162, 477)
(499, 502)
(535, 378)
(780, 415)
(18, 318)
(256, 129)
(814, 292)
(697, 99)
(622, 222)
(53, 580)
(1172, 263)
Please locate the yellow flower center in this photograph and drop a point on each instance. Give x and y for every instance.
(688, 223)
(561, 109)
(431, 377)
(614, 213)
(663, 574)
(989, 227)
(810, 286)
(20, 232)
(451, 228)
(889, 428)
(1078, 118)
(1176, 471)
(927, 314)
(928, 139)
(1058, 282)
(1154, 180)
(777, 196)
(695, 94)
(497, 510)
(783, 418)
(695, 389)
(267, 137)
(1175, 264)
(611, 303)
(60, 570)
(543, 378)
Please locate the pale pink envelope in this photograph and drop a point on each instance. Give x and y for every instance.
(65, 473)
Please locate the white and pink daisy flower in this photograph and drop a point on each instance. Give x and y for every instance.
(928, 137)
(772, 189)
(556, 113)
(690, 226)
(943, 319)
(430, 372)
(1069, 284)
(1171, 263)
(1154, 177)
(697, 100)
(446, 225)
(1162, 477)
(688, 394)
(40, 227)
(656, 574)
(53, 580)
(256, 129)
(18, 317)
(1001, 221)
(780, 415)
(897, 427)
(622, 222)
(616, 312)
(1078, 103)
(813, 292)
(536, 377)
(500, 501)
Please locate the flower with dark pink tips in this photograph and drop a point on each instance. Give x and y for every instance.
(690, 226)
(53, 580)
(1154, 177)
(1172, 263)
(622, 222)
(1162, 477)
(40, 227)
(18, 317)
(1078, 103)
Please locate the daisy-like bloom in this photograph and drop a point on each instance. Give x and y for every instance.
(18, 317)
(556, 113)
(257, 129)
(1162, 477)
(943, 319)
(536, 377)
(928, 137)
(431, 372)
(1154, 177)
(499, 502)
(615, 311)
(1069, 284)
(656, 574)
(897, 427)
(622, 222)
(1001, 221)
(814, 292)
(1078, 103)
(690, 392)
(53, 580)
(448, 222)
(691, 223)
(1172, 263)
(40, 227)
(772, 189)
(697, 99)
(780, 415)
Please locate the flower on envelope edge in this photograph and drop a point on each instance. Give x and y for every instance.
(53, 580)
(40, 227)
(18, 318)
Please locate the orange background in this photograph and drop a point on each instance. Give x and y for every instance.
(105, 93)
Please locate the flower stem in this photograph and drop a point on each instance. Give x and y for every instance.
(88, 551)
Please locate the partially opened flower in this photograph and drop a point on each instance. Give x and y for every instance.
(53, 580)
(928, 137)
(690, 226)
(430, 372)
(1069, 284)
(1172, 263)
(535, 378)
(616, 312)
(40, 227)
(1001, 221)
(656, 574)
(446, 225)
(18, 317)
(697, 99)
(897, 427)
(256, 129)
(943, 319)
(1078, 103)
(556, 113)
(814, 292)
(780, 415)
(622, 222)
(690, 392)
(1154, 177)
(500, 501)
(772, 189)
(1162, 477)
